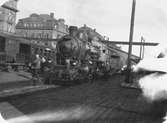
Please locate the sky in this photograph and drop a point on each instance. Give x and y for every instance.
(109, 17)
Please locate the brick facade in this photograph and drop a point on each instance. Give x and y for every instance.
(41, 26)
(9, 46)
(42, 31)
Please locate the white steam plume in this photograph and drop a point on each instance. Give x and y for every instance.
(152, 64)
(165, 119)
(61, 115)
(2, 120)
(154, 86)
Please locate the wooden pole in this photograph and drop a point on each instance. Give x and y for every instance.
(128, 76)
(141, 47)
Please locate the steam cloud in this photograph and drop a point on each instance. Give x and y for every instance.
(2, 120)
(61, 115)
(154, 87)
(154, 84)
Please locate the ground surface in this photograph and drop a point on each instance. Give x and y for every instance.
(13, 79)
(99, 102)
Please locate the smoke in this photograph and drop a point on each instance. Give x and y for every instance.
(152, 64)
(2, 120)
(165, 119)
(154, 82)
(154, 86)
(61, 115)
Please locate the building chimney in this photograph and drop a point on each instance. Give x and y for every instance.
(52, 15)
(73, 30)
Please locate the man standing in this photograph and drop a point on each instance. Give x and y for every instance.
(36, 65)
(43, 64)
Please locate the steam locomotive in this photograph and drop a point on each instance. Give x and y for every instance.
(81, 56)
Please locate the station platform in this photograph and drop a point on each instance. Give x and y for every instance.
(9, 80)
(15, 83)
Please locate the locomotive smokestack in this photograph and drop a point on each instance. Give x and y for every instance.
(73, 30)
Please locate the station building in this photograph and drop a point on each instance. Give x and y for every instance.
(41, 26)
(8, 13)
(34, 34)
(8, 45)
(41, 32)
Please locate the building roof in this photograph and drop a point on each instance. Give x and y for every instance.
(46, 17)
(133, 57)
(42, 21)
(11, 5)
(35, 17)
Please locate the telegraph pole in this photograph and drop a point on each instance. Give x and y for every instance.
(141, 48)
(128, 75)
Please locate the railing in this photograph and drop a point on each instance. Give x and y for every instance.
(8, 62)
(5, 59)
(22, 58)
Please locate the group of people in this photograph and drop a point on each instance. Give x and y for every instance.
(38, 65)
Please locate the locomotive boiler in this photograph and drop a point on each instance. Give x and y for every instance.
(71, 48)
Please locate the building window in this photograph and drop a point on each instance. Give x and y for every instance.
(35, 25)
(32, 35)
(39, 35)
(24, 34)
(55, 26)
(47, 35)
(2, 44)
(25, 25)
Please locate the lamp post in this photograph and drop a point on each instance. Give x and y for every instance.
(128, 75)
